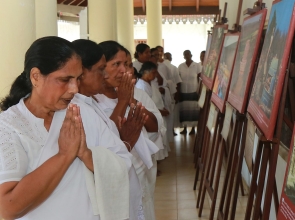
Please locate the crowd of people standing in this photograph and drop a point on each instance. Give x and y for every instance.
(83, 127)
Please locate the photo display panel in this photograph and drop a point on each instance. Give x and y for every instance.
(224, 71)
(268, 85)
(246, 56)
(211, 63)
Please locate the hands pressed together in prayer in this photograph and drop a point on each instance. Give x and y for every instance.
(72, 138)
(125, 91)
(130, 128)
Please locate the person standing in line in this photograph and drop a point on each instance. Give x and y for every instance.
(202, 57)
(142, 55)
(188, 108)
(166, 71)
(176, 80)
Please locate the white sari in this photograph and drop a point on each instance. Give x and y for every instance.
(143, 161)
(111, 138)
(32, 145)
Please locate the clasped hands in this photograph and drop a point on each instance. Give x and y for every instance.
(72, 138)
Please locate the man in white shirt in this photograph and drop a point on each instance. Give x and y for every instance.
(188, 109)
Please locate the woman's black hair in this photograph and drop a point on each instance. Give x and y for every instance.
(111, 48)
(136, 74)
(140, 48)
(147, 66)
(154, 49)
(89, 52)
(48, 54)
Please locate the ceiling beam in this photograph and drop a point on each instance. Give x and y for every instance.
(170, 5)
(197, 5)
(72, 2)
(183, 10)
(80, 2)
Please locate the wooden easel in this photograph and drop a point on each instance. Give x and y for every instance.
(233, 177)
(233, 172)
(202, 134)
(267, 154)
(211, 175)
(202, 129)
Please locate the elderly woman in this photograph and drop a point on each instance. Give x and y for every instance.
(110, 101)
(91, 83)
(51, 168)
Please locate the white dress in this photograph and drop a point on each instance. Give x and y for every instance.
(158, 100)
(143, 158)
(188, 106)
(23, 137)
(176, 79)
(137, 65)
(97, 118)
(145, 86)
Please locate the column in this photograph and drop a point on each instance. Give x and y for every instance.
(154, 22)
(102, 20)
(125, 24)
(46, 18)
(17, 24)
(83, 21)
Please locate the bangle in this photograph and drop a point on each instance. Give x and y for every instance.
(128, 145)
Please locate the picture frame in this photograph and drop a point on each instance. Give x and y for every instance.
(269, 80)
(211, 62)
(287, 204)
(246, 57)
(224, 70)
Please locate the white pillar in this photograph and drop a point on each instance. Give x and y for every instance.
(102, 20)
(125, 24)
(17, 25)
(46, 18)
(83, 21)
(154, 22)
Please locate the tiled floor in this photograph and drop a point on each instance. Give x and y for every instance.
(175, 198)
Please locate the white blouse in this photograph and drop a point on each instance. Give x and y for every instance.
(189, 76)
(23, 137)
(143, 85)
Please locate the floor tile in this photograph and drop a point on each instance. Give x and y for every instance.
(174, 194)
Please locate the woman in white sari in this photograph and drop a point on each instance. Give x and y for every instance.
(111, 100)
(148, 73)
(142, 54)
(91, 83)
(44, 150)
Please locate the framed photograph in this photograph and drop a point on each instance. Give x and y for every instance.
(224, 71)
(267, 89)
(211, 63)
(209, 40)
(249, 43)
(287, 204)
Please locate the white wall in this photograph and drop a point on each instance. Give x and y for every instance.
(179, 37)
(250, 3)
(69, 30)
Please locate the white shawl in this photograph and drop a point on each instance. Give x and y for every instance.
(110, 180)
